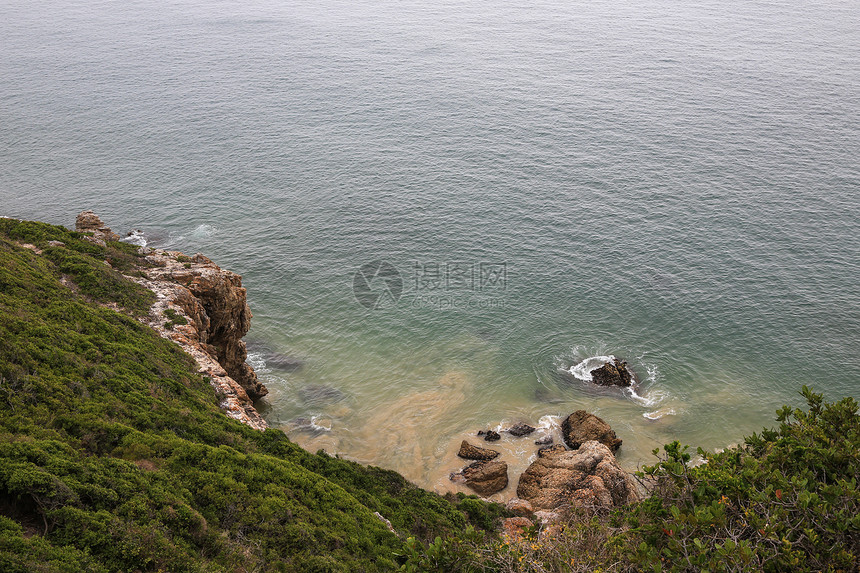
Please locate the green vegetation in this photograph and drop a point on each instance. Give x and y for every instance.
(114, 455)
(787, 500)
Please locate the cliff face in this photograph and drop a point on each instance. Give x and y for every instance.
(204, 309)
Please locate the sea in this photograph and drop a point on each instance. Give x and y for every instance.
(448, 212)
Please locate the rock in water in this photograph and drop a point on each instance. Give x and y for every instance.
(581, 427)
(486, 478)
(587, 477)
(470, 452)
(490, 435)
(613, 373)
(521, 429)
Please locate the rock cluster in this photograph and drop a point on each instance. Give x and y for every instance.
(582, 472)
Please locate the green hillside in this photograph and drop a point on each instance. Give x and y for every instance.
(114, 455)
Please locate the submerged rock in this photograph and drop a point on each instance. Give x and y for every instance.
(521, 429)
(320, 394)
(587, 477)
(470, 452)
(486, 477)
(613, 373)
(283, 362)
(581, 427)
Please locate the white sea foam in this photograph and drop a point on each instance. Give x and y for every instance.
(136, 237)
(657, 414)
(203, 231)
(582, 371)
(257, 361)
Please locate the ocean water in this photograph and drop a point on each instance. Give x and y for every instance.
(446, 211)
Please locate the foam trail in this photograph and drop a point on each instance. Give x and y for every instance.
(582, 371)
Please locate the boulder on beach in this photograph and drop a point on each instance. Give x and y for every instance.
(613, 373)
(587, 477)
(581, 427)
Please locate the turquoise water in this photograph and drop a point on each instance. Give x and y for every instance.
(672, 183)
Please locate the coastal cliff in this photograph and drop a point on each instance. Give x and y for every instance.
(204, 309)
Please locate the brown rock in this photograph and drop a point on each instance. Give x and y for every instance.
(486, 477)
(613, 373)
(581, 427)
(587, 477)
(512, 527)
(89, 222)
(470, 452)
(520, 507)
(490, 435)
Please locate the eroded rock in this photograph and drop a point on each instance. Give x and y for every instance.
(581, 427)
(587, 477)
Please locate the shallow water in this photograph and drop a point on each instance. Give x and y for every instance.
(675, 184)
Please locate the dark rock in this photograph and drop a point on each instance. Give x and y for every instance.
(613, 373)
(581, 427)
(521, 429)
(544, 441)
(490, 436)
(587, 477)
(486, 478)
(470, 452)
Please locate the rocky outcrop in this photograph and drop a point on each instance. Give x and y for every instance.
(613, 373)
(89, 222)
(587, 477)
(486, 478)
(204, 309)
(581, 427)
(470, 452)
